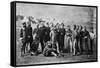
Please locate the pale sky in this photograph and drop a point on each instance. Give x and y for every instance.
(61, 13)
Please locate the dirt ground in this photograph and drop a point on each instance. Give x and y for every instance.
(40, 59)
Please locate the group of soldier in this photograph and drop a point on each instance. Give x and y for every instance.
(55, 40)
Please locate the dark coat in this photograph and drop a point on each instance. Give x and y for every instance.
(42, 32)
(47, 34)
(23, 34)
(57, 34)
(62, 34)
(61, 38)
(29, 34)
(86, 40)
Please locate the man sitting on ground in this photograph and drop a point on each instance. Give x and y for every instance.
(50, 50)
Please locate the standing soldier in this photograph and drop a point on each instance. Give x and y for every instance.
(53, 38)
(47, 33)
(23, 38)
(61, 37)
(29, 35)
(74, 34)
(77, 40)
(57, 35)
(68, 40)
(80, 39)
(86, 42)
(53, 35)
(41, 35)
(92, 37)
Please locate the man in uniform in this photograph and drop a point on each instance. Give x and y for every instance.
(47, 33)
(42, 35)
(36, 41)
(80, 34)
(92, 37)
(86, 42)
(68, 40)
(78, 40)
(74, 34)
(57, 36)
(50, 49)
(23, 38)
(29, 36)
(61, 37)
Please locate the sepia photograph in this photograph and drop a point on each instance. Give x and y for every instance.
(53, 34)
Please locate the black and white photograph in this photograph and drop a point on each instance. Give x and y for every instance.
(53, 34)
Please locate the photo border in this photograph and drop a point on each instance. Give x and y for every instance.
(13, 32)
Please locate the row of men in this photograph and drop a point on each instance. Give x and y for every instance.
(57, 39)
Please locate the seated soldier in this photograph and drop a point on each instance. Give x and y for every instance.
(35, 43)
(34, 47)
(50, 50)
